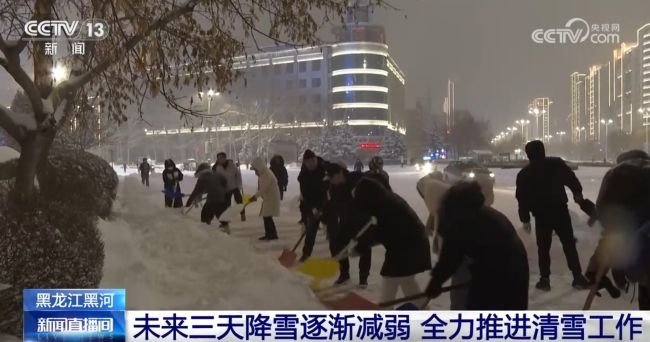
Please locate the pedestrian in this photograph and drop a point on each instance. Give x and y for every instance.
(358, 165)
(401, 159)
(485, 239)
(235, 189)
(124, 166)
(144, 169)
(540, 191)
(376, 171)
(268, 191)
(398, 229)
(213, 185)
(280, 173)
(313, 192)
(337, 221)
(622, 210)
(172, 176)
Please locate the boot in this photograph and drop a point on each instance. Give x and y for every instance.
(543, 284)
(243, 217)
(363, 281)
(225, 228)
(580, 282)
(303, 258)
(343, 278)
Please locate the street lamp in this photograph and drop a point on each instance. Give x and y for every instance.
(561, 134)
(522, 123)
(606, 123)
(512, 130)
(211, 93)
(645, 112)
(579, 130)
(58, 74)
(536, 113)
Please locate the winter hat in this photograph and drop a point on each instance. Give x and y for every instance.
(535, 150)
(308, 154)
(632, 154)
(332, 169)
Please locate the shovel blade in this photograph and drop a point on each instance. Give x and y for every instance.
(350, 301)
(288, 258)
(319, 268)
(231, 212)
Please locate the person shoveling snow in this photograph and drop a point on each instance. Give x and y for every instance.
(214, 185)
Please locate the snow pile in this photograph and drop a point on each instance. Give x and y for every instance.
(167, 261)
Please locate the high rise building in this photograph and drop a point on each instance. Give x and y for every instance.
(625, 88)
(353, 81)
(643, 39)
(577, 105)
(597, 89)
(540, 109)
(449, 107)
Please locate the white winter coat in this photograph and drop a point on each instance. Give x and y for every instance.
(267, 189)
(232, 174)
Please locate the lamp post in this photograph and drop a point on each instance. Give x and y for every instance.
(512, 131)
(522, 123)
(579, 130)
(606, 123)
(211, 93)
(645, 112)
(561, 135)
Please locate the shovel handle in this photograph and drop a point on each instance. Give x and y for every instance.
(346, 252)
(419, 296)
(302, 237)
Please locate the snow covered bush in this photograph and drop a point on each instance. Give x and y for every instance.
(51, 245)
(80, 179)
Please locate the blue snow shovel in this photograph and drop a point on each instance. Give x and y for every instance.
(173, 194)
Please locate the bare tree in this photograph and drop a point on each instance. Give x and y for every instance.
(87, 128)
(154, 47)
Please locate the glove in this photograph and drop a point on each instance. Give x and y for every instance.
(175, 174)
(170, 176)
(253, 199)
(619, 278)
(284, 189)
(605, 283)
(527, 227)
(434, 289)
(578, 198)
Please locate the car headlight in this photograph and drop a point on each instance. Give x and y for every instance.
(491, 175)
(427, 167)
(471, 175)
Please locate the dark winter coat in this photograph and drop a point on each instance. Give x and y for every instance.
(498, 260)
(540, 186)
(312, 188)
(622, 207)
(379, 175)
(211, 183)
(144, 168)
(171, 180)
(358, 166)
(398, 229)
(338, 206)
(279, 171)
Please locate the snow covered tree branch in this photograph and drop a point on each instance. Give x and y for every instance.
(154, 48)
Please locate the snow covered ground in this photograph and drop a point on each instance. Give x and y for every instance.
(166, 261)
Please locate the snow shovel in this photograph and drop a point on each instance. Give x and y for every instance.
(351, 301)
(288, 257)
(173, 194)
(322, 268)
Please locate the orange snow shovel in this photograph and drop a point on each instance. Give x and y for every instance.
(289, 256)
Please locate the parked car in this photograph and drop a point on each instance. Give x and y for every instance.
(465, 170)
(426, 166)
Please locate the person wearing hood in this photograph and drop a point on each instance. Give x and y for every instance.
(358, 165)
(280, 173)
(471, 230)
(540, 191)
(398, 229)
(172, 176)
(622, 208)
(313, 193)
(214, 185)
(337, 221)
(268, 191)
(227, 168)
